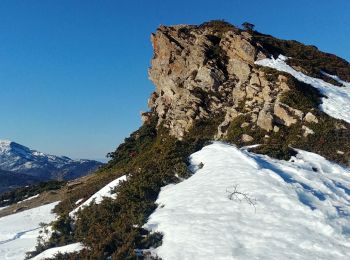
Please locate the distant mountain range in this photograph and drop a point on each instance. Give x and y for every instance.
(20, 165)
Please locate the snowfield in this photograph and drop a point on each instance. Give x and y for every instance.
(301, 211)
(338, 98)
(19, 232)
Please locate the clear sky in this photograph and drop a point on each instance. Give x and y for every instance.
(73, 74)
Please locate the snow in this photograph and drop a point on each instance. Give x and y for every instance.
(338, 98)
(30, 198)
(106, 191)
(344, 83)
(79, 201)
(301, 211)
(1, 208)
(4, 145)
(50, 253)
(19, 232)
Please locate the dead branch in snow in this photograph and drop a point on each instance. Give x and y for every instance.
(235, 194)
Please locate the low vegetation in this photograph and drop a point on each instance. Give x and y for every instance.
(151, 159)
(220, 26)
(306, 57)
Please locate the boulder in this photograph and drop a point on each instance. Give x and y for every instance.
(310, 118)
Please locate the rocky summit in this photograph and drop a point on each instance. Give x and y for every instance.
(212, 71)
(192, 62)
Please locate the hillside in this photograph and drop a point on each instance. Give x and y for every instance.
(278, 108)
(9, 181)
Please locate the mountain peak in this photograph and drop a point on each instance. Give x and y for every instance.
(4, 143)
(18, 158)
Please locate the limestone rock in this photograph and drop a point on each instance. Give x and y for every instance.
(276, 129)
(145, 117)
(265, 120)
(307, 131)
(231, 114)
(310, 118)
(246, 138)
(201, 72)
(286, 114)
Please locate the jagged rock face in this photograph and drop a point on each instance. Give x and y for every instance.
(201, 72)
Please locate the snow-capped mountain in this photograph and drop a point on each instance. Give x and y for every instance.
(17, 158)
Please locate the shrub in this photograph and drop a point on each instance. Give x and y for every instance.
(113, 228)
(219, 26)
(248, 26)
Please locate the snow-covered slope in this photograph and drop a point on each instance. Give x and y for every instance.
(19, 232)
(298, 209)
(336, 103)
(20, 159)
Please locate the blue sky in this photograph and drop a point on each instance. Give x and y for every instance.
(73, 74)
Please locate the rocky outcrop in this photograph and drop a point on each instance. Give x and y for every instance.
(311, 118)
(208, 71)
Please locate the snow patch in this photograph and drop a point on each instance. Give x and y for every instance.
(338, 98)
(30, 198)
(336, 78)
(106, 191)
(50, 253)
(302, 208)
(79, 201)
